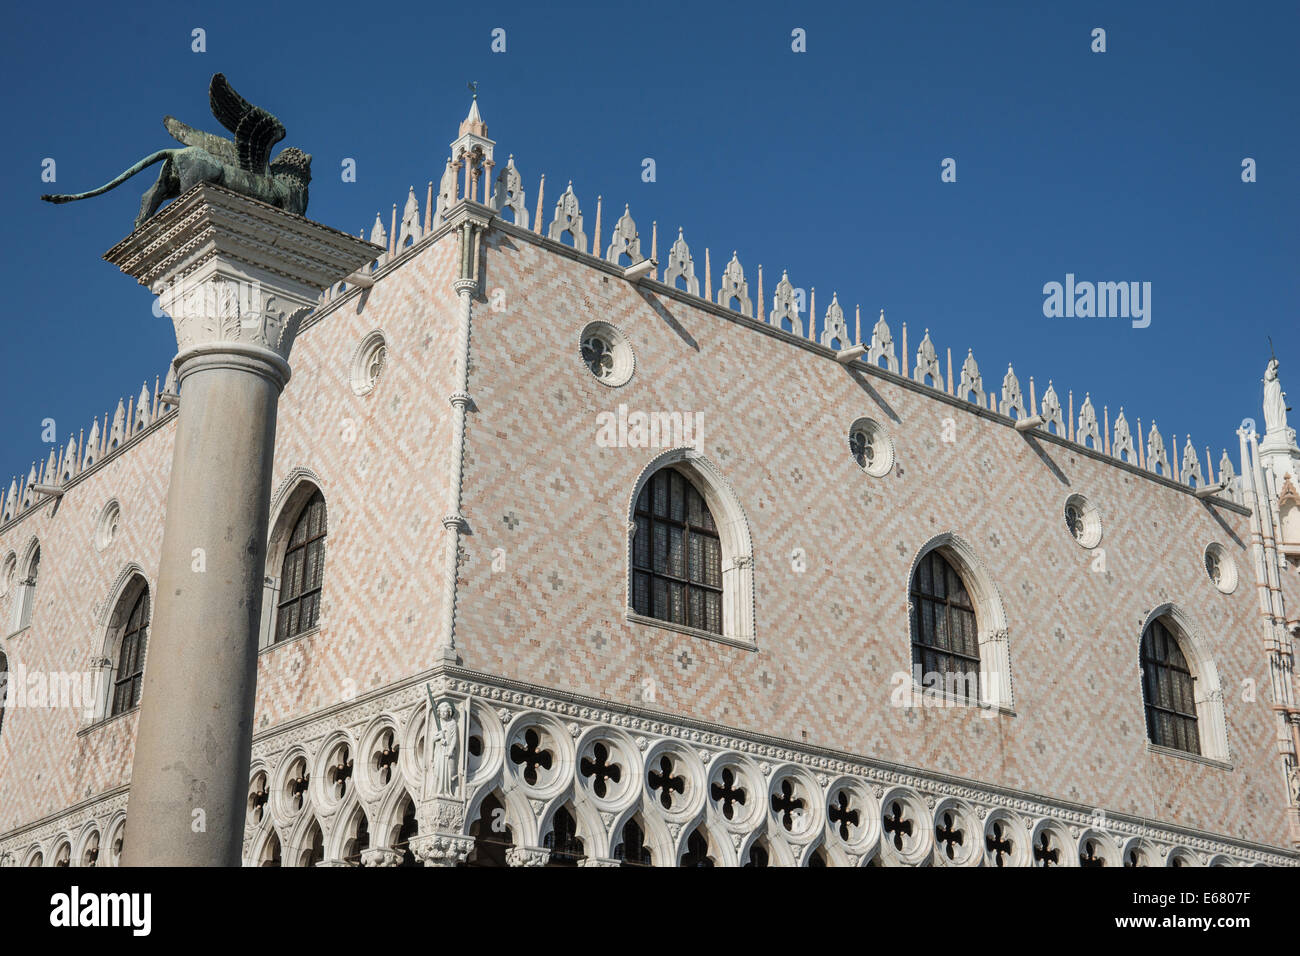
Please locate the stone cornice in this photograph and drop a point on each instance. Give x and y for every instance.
(209, 221)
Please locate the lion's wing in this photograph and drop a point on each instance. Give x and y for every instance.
(256, 130)
(220, 147)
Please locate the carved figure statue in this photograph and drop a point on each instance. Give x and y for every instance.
(242, 165)
(1274, 399)
(443, 769)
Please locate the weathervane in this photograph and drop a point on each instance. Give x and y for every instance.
(473, 87)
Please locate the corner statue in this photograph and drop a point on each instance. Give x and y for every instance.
(1275, 407)
(242, 165)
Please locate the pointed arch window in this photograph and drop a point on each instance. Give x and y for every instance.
(303, 572)
(945, 635)
(128, 680)
(676, 554)
(1168, 690)
(26, 597)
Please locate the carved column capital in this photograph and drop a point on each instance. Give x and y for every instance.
(381, 857)
(528, 856)
(235, 274)
(441, 849)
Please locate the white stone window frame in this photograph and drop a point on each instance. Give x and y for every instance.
(733, 535)
(359, 372)
(1211, 720)
(1228, 572)
(108, 524)
(882, 442)
(618, 345)
(992, 631)
(286, 507)
(1090, 536)
(127, 587)
(24, 594)
(8, 574)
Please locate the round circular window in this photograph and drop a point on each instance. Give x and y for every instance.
(106, 527)
(368, 363)
(1083, 521)
(606, 353)
(871, 447)
(1221, 568)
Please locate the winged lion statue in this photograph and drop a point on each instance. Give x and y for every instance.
(243, 165)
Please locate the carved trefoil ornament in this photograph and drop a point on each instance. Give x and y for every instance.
(1013, 398)
(734, 286)
(509, 193)
(1191, 467)
(882, 345)
(681, 265)
(1157, 456)
(1122, 446)
(927, 363)
(411, 228)
(785, 306)
(568, 218)
(1087, 425)
(1049, 409)
(971, 380)
(625, 240)
(834, 327)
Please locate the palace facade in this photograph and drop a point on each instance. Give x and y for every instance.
(577, 557)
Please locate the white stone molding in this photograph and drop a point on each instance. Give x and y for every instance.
(785, 306)
(732, 285)
(990, 616)
(882, 346)
(1087, 430)
(625, 240)
(509, 193)
(733, 533)
(971, 381)
(568, 218)
(1013, 398)
(927, 363)
(834, 327)
(1211, 722)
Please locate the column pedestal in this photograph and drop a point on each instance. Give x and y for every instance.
(237, 277)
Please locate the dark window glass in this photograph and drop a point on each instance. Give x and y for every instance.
(945, 639)
(676, 555)
(130, 658)
(1168, 690)
(303, 572)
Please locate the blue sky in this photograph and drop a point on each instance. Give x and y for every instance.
(1115, 166)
